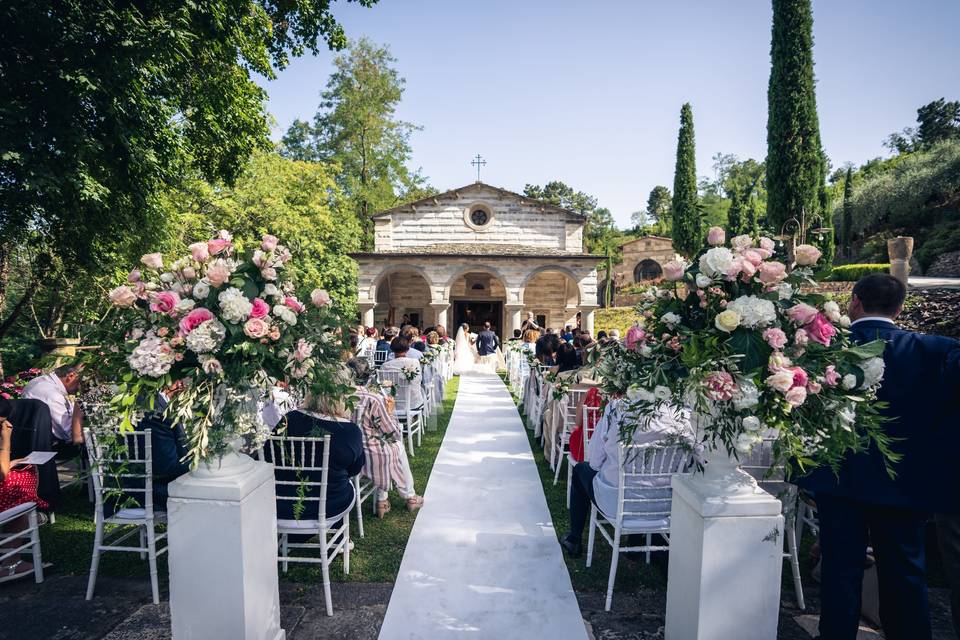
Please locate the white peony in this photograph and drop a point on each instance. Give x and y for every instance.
(747, 441)
(670, 319)
(784, 291)
(152, 357)
(285, 313)
(703, 281)
(636, 393)
(746, 396)
(661, 392)
(740, 243)
(201, 290)
(754, 312)
(849, 381)
(234, 305)
(717, 262)
(206, 337)
(751, 423)
(872, 372)
(184, 306)
(832, 310)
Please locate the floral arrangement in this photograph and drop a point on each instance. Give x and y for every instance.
(223, 324)
(12, 386)
(734, 338)
(410, 372)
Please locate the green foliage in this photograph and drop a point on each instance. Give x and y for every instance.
(600, 234)
(621, 318)
(658, 210)
(846, 235)
(356, 127)
(687, 217)
(853, 272)
(795, 166)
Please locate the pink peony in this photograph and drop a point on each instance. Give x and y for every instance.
(303, 350)
(260, 308)
(776, 338)
(217, 246)
(164, 302)
(720, 386)
(268, 242)
(772, 272)
(831, 377)
(134, 276)
(801, 338)
(747, 269)
(753, 256)
(194, 319)
(293, 304)
(800, 377)
(634, 335)
(152, 260)
(814, 387)
(122, 296)
(807, 255)
(781, 380)
(767, 247)
(716, 236)
(821, 330)
(802, 313)
(218, 273)
(199, 251)
(256, 328)
(673, 270)
(319, 297)
(796, 396)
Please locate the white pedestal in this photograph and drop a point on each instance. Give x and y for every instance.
(726, 555)
(223, 553)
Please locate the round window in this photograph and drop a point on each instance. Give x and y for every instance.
(478, 217)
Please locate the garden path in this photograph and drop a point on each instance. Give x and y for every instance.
(483, 559)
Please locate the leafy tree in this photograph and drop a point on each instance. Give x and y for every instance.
(938, 121)
(658, 208)
(687, 219)
(560, 194)
(795, 166)
(106, 104)
(847, 230)
(723, 164)
(356, 127)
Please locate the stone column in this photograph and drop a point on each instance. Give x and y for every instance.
(587, 317)
(440, 315)
(366, 313)
(515, 316)
(900, 249)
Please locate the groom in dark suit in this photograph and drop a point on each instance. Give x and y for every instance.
(863, 505)
(487, 341)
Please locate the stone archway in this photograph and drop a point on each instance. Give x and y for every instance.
(402, 292)
(646, 270)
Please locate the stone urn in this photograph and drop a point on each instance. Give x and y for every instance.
(900, 249)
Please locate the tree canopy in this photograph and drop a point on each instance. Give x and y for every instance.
(687, 218)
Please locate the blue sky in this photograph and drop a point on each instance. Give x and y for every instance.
(589, 92)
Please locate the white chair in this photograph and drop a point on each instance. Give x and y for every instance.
(591, 415)
(568, 421)
(15, 543)
(121, 466)
(379, 357)
(769, 474)
(411, 418)
(643, 503)
(362, 485)
(299, 456)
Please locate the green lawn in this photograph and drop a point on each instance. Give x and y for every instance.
(633, 573)
(375, 558)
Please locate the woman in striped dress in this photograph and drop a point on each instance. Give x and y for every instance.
(387, 462)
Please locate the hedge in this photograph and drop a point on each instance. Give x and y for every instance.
(853, 272)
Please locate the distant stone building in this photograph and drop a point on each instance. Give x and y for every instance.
(643, 260)
(476, 254)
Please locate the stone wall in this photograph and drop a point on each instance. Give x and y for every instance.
(634, 252)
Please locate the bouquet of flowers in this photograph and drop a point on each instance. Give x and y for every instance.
(224, 325)
(734, 338)
(410, 372)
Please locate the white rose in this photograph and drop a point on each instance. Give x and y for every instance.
(717, 261)
(670, 319)
(782, 380)
(751, 423)
(285, 313)
(167, 277)
(661, 392)
(845, 321)
(754, 312)
(703, 281)
(234, 305)
(832, 310)
(185, 305)
(727, 320)
(872, 372)
(849, 381)
(201, 290)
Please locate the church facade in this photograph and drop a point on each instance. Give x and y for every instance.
(476, 254)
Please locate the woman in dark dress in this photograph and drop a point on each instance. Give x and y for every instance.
(320, 417)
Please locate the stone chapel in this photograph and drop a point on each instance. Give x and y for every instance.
(476, 254)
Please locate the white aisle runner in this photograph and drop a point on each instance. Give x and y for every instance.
(483, 560)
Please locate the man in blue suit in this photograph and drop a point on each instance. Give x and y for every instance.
(863, 505)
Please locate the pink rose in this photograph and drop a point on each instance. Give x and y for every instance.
(164, 302)
(673, 270)
(796, 396)
(260, 308)
(814, 387)
(800, 377)
(319, 298)
(806, 255)
(199, 251)
(268, 242)
(274, 332)
(831, 377)
(217, 246)
(218, 273)
(152, 260)
(720, 386)
(781, 380)
(821, 330)
(134, 276)
(122, 296)
(162, 332)
(776, 338)
(268, 273)
(802, 313)
(801, 338)
(189, 273)
(302, 350)
(772, 272)
(767, 247)
(194, 319)
(293, 304)
(716, 236)
(753, 256)
(634, 335)
(256, 328)
(747, 269)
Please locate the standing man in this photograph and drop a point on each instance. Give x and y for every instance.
(862, 504)
(487, 345)
(529, 323)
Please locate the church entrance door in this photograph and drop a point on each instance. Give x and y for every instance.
(475, 313)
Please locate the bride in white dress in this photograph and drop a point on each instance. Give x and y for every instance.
(465, 350)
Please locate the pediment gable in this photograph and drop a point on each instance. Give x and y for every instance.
(476, 191)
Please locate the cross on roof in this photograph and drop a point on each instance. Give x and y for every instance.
(478, 162)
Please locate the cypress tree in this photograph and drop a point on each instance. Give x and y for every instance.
(735, 215)
(795, 160)
(687, 220)
(847, 230)
(751, 222)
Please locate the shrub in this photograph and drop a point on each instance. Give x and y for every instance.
(621, 318)
(853, 272)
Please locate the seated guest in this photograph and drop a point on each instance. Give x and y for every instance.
(321, 416)
(18, 485)
(31, 432)
(401, 360)
(410, 334)
(168, 444)
(614, 335)
(547, 348)
(566, 359)
(54, 389)
(389, 333)
(598, 480)
(530, 338)
(367, 343)
(442, 332)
